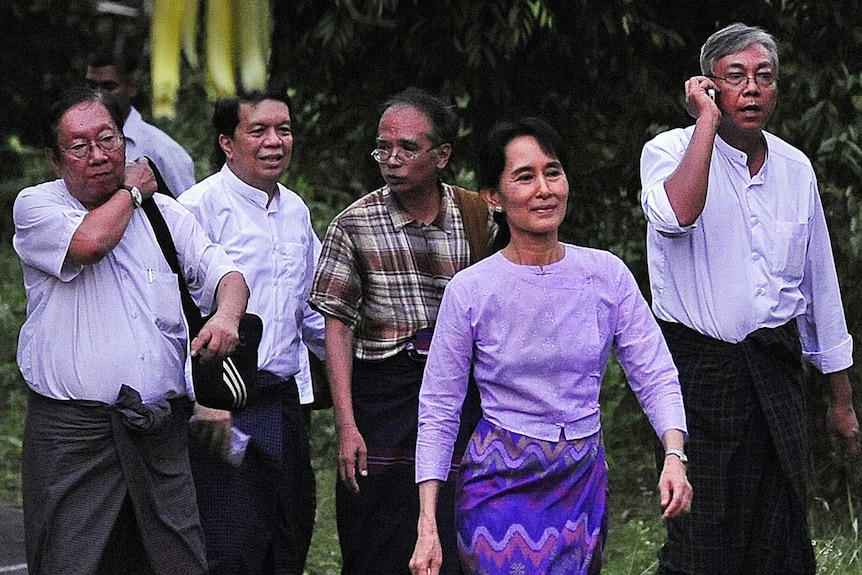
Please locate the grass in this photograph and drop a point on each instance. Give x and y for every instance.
(12, 388)
(324, 557)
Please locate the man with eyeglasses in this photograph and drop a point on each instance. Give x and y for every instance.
(744, 287)
(104, 351)
(385, 262)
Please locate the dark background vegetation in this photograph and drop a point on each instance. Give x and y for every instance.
(608, 74)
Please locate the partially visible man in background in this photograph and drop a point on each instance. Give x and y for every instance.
(117, 72)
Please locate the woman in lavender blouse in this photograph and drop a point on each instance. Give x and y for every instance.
(536, 324)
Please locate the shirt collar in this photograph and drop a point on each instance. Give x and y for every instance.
(740, 157)
(400, 217)
(250, 193)
(132, 125)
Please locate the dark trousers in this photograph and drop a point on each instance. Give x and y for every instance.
(377, 526)
(258, 518)
(101, 498)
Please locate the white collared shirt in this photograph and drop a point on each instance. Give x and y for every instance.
(174, 163)
(758, 256)
(276, 249)
(92, 328)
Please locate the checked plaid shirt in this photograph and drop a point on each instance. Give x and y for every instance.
(383, 273)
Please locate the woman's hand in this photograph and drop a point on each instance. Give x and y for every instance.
(427, 555)
(674, 488)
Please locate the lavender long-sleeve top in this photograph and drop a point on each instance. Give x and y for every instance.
(539, 340)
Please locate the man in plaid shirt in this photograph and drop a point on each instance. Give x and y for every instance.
(385, 263)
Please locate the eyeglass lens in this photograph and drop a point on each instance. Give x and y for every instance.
(107, 143)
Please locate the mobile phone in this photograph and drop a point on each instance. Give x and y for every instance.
(711, 93)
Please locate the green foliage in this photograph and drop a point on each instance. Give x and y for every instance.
(12, 388)
(24, 165)
(608, 75)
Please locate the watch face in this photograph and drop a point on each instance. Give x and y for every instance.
(137, 198)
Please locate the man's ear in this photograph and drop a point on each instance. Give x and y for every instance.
(56, 164)
(226, 144)
(443, 157)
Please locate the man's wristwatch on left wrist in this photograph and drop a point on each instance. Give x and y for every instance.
(677, 453)
(137, 198)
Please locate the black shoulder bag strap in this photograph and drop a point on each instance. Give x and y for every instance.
(169, 250)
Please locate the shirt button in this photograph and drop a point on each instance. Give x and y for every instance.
(760, 291)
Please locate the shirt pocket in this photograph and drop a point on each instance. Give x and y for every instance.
(789, 248)
(162, 294)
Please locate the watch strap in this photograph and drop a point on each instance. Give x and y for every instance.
(678, 453)
(137, 197)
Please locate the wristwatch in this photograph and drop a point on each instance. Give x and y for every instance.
(678, 453)
(137, 198)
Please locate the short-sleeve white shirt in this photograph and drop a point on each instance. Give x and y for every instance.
(92, 328)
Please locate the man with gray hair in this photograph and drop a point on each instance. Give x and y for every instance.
(386, 260)
(744, 287)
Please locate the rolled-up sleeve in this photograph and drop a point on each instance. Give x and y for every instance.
(337, 288)
(826, 343)
(659, 158)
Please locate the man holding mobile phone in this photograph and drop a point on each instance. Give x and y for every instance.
(744, 287)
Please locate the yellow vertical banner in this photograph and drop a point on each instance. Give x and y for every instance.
(165, 55)
(221, 80)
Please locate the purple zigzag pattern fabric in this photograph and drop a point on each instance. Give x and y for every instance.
(526, 506)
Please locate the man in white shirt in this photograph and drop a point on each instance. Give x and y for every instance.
(104, 351)
(744, 286)
(117, 74)
(258, 517)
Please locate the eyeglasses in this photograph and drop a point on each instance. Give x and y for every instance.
(403, 156)
(107, 143)
(763, 80)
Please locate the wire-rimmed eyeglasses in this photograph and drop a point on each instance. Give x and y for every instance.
(403, 156)
(763, 80)
(106, 143)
